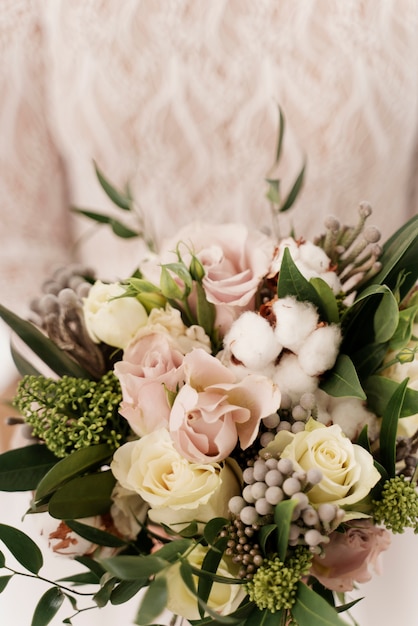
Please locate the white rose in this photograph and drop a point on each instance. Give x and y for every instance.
(223, 599)
(111, 319)
(348, 472)
(177, 490)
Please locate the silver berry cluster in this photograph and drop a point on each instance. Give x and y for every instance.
(290, 418)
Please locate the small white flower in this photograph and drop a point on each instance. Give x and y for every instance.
(320, 350)
(252, 341)
(295, 321)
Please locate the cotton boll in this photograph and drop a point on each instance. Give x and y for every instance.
(351, 415)
(314, 257)
(320, 350)
(240, 371)
(295, 321)
(292, 380)
(293, 247)
(252, 342)
(332, 281)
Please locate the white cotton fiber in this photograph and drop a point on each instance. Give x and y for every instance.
(292, 380)
(295, 321)
(320, 350)
(314, 257)
(252, 341)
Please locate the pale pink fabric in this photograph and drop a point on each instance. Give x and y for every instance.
(181, 99)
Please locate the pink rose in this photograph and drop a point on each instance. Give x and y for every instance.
(212, 411)
(151, 366)
(349, 555)
(234, 261)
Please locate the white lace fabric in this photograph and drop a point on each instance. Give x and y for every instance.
(180, 98)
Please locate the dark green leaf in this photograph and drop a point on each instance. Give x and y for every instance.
(294, 192)
(369, 358)
(329, 305)
(23, 366)
(126, 590)
(389, 429)
(4, 580)
(404, 330)
(342, 380)
(293, 283)
(153, 603)
(311, 609)
(213, 528)
(22, 469)
(122, 231)
(71, 466)
(264, 534)
(91, 565)
(363, 439)
(83, 496)
(191, 529)
(92, 215)
(100, 537)
(102, 597)
(282, 518)
(2, 560)
(265, 618)
(134, 567)
(122, 200)
(210, 564)
(47, 350)
(47, 607)
(86, 578)
(22, 547)
(282, 126)
(379, 390)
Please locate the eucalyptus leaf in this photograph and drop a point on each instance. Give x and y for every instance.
(282, 518)
(91, 565)
(170, 551)
(389, 427)
(75, 464)
(342, 380)
(102, 597)
(121, 199)
(127, 567)
(22, 469)
(83, 496)
(210, 564)
(310, 609)
(47, 607)
(153, 602)
(95, 535)
(213, 528)
(84, 578)
(380, 389)
(2, 560)
(42, 346)
(4, 581)
(23, 548)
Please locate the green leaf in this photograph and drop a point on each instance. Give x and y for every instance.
(213, 528)
(99, 537)
(293, 283)
(273, 192)
(83, 496)
(294, 192)
(379, 390)
(85, 578)
(25, 551)
(329, 305)
(42, 346)
(47, 607)
(22, 469)
(91, 565)
(121, 230)
(170, 551)
(264, 534)
(126, 590)
(404, 330)
(210, 564)
(280, 137)
(342, 380)
(4, 580)
(23, 366)
(153, 603)
(282, 518)
(92, 215)
(389, 429)
(122, 200)
(369, 358)
(206, 311)
(102, 597)
(363, 439)
(169, 287)
(180, 270)
(2, 560)
(128, 567)
(71, 466)
(312, 610)
(265, 618)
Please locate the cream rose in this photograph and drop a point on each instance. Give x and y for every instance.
(177, 490)
(112, 319)
(223, 599)
(348, 472)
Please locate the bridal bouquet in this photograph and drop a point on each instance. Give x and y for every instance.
(230, 432)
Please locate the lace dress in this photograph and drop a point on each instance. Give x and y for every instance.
(180, 99)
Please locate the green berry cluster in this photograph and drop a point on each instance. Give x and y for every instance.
(72, 413)
(398, 507)
(274, 585)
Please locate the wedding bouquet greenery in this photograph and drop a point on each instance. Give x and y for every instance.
(230, 432)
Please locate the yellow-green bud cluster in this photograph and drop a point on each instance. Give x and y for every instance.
(398, 507)
(274, 584)
(71, 413)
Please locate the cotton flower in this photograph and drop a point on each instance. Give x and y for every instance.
(320, 350)
(292, 380)
(295, 321)
(350, 414)
(252, 341)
